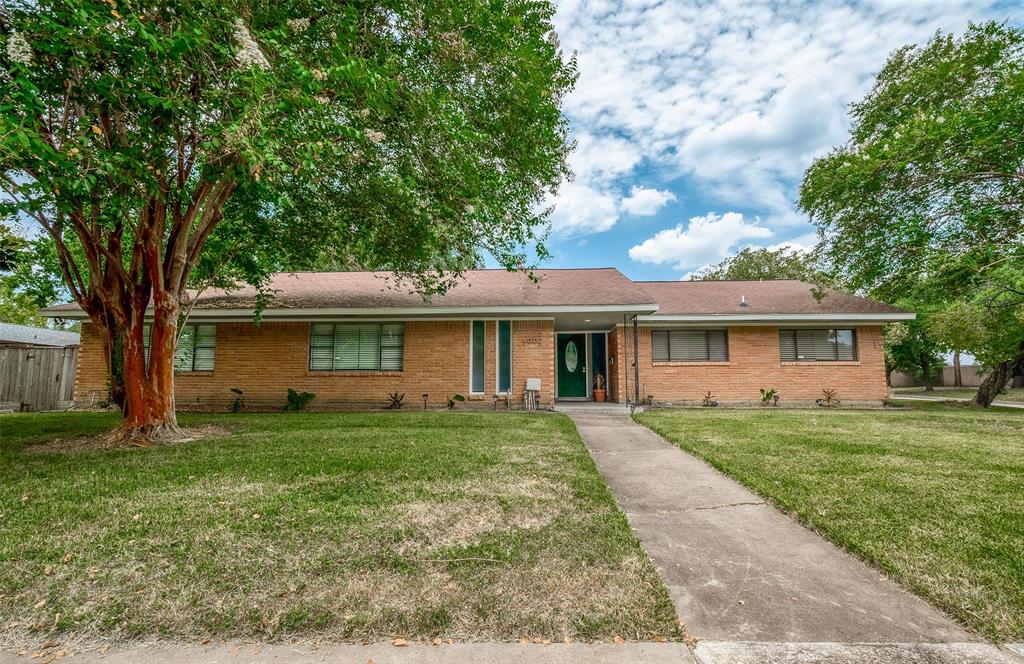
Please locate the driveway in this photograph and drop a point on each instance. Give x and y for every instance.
(746, 578)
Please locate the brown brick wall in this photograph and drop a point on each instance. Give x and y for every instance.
(754, 363)
(266, 360)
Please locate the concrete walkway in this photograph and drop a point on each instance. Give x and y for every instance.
(740, 571)
(379, 653)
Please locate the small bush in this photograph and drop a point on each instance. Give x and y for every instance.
(830, 400)
(453, 399)
(769, 397)
(238, 405)
(298, 400)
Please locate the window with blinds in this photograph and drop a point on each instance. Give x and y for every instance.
(356, 346)
(690, 345)
(825, 345)
(197, 346)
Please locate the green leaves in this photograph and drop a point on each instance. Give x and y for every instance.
(933, 164)
(357, 134)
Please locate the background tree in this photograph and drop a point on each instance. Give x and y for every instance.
(909, 347)
(152, 141)
(755, 263)
(990, 325)
(929, 189)
(30, 279)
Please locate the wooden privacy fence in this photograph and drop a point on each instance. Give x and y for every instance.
(37, 378)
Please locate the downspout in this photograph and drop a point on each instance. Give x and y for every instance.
(636, 363)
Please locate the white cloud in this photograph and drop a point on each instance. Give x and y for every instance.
(590, 203)
(706, 239)
(737, 96)
(801, 244)
(579, 208)
(644, 202)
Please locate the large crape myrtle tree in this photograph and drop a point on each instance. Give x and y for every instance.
(149, 138)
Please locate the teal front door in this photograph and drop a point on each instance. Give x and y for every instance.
(572, 366)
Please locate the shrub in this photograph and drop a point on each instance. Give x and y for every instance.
(297, 400)
(769, 397)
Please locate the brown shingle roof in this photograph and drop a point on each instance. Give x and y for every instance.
(783, 296)
(478, 288)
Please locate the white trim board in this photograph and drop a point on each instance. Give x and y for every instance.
(758, 319)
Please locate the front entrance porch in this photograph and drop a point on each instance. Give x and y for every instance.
(579, 358)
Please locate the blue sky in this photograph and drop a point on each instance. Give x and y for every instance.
(695, 120)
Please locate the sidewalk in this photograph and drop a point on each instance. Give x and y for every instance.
(751, 583)
(380, 653)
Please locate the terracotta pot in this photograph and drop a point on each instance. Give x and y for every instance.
(599, 395)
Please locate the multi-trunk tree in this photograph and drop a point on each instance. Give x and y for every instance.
(929, 190)
(150, 140)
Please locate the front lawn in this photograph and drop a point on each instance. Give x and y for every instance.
(1015, 394)
(934, 495)
(470, 526)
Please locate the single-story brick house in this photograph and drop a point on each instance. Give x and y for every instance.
(353, 337)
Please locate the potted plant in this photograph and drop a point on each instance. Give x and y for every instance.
(600, 391)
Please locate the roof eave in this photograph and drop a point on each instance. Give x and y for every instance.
(880, 317)
(324, 312)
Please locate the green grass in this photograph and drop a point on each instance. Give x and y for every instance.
(470, 526)
(932, 495)
(1011, 394)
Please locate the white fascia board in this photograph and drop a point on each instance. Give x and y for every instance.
(776, 318)
(395, 312)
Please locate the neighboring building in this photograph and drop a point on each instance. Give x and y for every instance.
(23, 336)
(351, 338)
(37, 367)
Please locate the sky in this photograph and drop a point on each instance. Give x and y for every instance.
(694, 121)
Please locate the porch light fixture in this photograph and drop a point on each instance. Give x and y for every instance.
(586, 320)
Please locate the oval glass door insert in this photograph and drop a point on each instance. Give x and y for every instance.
(571, 356)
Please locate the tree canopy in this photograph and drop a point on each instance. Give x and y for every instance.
(756, 263)
(149, 141)
(924, 205)
(933, 164)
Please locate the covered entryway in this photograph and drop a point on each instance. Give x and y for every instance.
(579, 357)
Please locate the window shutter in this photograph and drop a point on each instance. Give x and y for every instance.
(718, 346)
(205, 347)
(145, 341)
(787, 345)
(659, 345)
(346, 346)
(392, 346)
